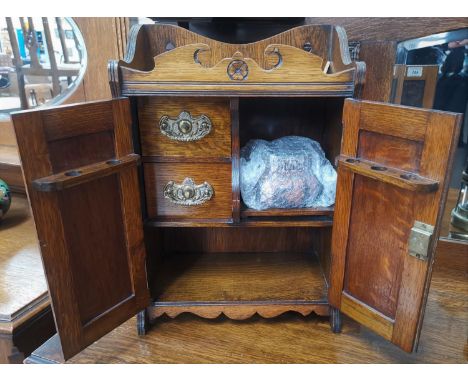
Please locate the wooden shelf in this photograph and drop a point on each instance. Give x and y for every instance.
(274, 212)
(239, 277)
(254, 221)
(278, 282)
(287, 217)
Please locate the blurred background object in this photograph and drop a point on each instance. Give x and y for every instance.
(42, 59)
(5, 198)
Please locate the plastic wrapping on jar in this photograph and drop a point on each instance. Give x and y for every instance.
(289, 172)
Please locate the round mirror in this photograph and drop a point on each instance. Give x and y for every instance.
(42, 61)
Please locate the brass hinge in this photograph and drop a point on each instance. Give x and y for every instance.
(420, 239)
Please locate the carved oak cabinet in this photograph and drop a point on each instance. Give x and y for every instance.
(137, 203)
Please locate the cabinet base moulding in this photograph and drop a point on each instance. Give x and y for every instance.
(237, 311)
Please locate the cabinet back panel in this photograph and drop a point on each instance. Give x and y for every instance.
(238, 239)
(96, 244)
(272, 118)
(375, 251)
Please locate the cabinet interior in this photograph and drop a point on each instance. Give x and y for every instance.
(238, 264)
(270, 255)
(317, 118)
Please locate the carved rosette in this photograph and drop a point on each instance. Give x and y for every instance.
(185, 128)
(238, 70)
(188, 193)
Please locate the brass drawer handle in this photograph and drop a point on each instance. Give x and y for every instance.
(185, 128)
(188, 193)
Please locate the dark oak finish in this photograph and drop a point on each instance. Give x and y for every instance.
(77, 262)
(80, 175)
(199, 65)
(288, 338)
(239, 277)
(238, 284)
(328, 211)
(216, 174)
(394, 176)
(217, 144)
(216, 257)
(374, 280)
(379, 57)
(391, 28)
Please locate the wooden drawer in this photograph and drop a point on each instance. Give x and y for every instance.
(217, 175)
(215, 144)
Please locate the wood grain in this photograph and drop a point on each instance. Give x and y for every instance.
(442, 134)
(20, 261)
(392, 152)
(292, 338)
(388, 120)
(96, 258)
(104, 40)
(189, 339)
(200, 65)
(379, 57)
(218, 175)
(376, 251)
(80, 175)
(217, 144)
(369, 317)
(238, 310)
(379, 273)
(25, 315)
(327, 211)
(96, 117)
(235, 159)
(396, 177)
(236, 240)
(78, 263)
(238, 277)
(391, 28)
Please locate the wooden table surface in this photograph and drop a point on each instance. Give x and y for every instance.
(23, 288)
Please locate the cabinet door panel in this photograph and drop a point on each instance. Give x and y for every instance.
(81, 177)
(392, 173)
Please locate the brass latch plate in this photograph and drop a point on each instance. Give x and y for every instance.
(420, 239)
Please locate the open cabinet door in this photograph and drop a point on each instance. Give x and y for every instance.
(81, 177)
(393, 175)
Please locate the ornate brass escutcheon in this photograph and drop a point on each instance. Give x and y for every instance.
(185, 128)
(188, 193)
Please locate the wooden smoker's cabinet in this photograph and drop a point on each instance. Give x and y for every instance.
(137, 203)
